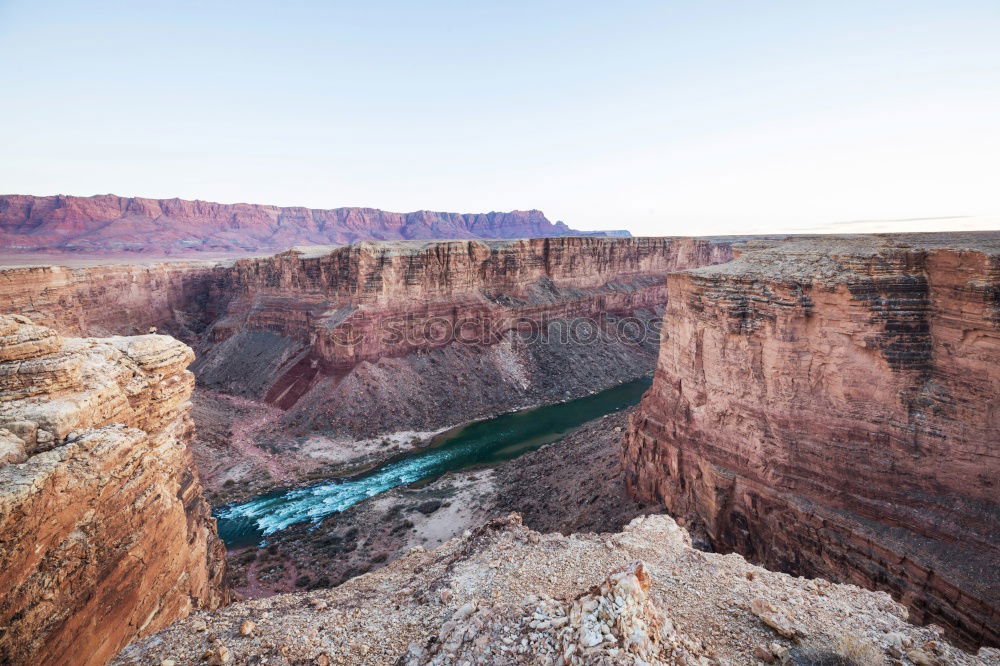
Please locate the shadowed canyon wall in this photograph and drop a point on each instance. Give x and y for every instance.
(380, 336)
(109, 224)
(831, 407)
(104, 532)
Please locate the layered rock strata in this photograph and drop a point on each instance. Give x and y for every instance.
(377, 338)
(831, 407)
(503, 594)
(109, 224)
(381, 336)
(99, 300)
(104, 533)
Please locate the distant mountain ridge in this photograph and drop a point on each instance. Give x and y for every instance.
(109, 224)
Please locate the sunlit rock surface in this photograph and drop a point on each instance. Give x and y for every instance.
(504, 594)
(104, 532)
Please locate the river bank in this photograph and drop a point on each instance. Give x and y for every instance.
(241, 451)
(571, 485)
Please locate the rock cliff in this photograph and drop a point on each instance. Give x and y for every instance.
(831, 407)
(374, 338)
(109, 224)
(418, 335)
(119, 299)
(503, 594)
(104, 533)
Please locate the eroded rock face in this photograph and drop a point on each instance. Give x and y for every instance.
(104, 533)
(103, 300)
(345, 344)
(831, 407)
(361, 340)
(109, 224)
(378, 336)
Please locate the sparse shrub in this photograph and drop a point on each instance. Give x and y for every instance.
(849, 651)
(860, 651)
(319, 583)
(429, 507)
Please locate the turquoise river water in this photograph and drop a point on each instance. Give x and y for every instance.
(481, 443)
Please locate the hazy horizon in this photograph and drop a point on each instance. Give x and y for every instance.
(659, 118)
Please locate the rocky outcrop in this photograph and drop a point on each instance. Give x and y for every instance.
(120, 299)
(412, 335)
(109, 224)
(104, 533)
(503, 594)
(831, 407)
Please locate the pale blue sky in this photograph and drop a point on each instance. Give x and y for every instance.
(679, 117)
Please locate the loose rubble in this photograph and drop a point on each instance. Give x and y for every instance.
(504, 594)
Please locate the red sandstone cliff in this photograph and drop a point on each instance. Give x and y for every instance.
(348, 342)
(108, 224)
(831, 406)
(381, 336)
(104, 532)
(112, 299)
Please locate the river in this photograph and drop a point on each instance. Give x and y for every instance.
(478, 444)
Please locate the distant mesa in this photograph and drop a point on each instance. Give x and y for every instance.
(109, 225)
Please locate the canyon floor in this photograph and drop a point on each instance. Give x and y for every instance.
(245, 447)
(551, 495)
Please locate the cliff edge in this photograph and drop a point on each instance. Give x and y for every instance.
(504, 594)
(830, 406)
(104, 533)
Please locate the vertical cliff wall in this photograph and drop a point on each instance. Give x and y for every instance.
(378, 336)
(104, 533)
(831, 407)
(111, 299)
(381, 337)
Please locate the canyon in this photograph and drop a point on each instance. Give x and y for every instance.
(112, 225)
(378, 337)
(832, 408)
(95, 299)
(105, 534)
(821, 406)
(335, 349)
